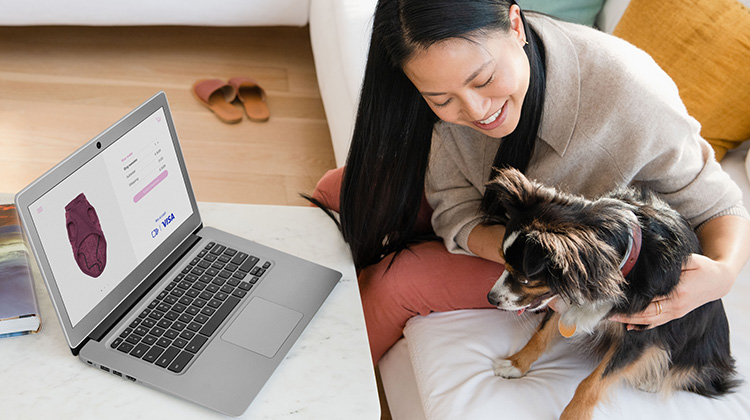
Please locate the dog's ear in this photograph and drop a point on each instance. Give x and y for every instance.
(513, 191)
(583, 267)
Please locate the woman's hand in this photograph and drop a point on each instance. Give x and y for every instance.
(702, 280)
(726, 246)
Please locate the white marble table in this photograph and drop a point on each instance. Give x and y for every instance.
(328, 374)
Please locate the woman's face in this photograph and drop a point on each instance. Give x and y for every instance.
(479, 83)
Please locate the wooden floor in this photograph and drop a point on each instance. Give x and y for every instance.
(61, 86)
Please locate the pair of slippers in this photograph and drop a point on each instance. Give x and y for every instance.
(218, 96)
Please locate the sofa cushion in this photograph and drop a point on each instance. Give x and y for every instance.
(576, 11)
(452, 355)
(704, 46)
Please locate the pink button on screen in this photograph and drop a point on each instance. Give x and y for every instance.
(142, 193)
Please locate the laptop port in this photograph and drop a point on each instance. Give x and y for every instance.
(130, 378)
(104, 368)
(117, 373)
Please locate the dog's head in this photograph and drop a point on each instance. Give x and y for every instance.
(557, 244)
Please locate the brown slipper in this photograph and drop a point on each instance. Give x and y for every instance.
(218, 96)
(252, 96)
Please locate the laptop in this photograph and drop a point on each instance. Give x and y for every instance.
(144, 291)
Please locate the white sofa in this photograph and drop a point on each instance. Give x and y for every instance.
(165, 12)
(442, 368)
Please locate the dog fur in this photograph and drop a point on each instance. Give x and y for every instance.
(566, 246)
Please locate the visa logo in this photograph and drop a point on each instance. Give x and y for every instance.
(168, 220)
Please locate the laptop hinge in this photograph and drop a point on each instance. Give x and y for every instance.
(131, 300)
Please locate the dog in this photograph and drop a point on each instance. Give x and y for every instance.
(603, 257)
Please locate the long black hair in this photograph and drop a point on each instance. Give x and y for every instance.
(383, 182)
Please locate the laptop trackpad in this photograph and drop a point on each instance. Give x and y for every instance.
(262, 327)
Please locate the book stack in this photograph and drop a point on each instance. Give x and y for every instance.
(19, 313)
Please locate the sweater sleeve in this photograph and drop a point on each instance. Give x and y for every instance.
(453, 187)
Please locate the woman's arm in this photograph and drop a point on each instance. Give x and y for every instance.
(726, 248)
(454, 183)
(486, 241)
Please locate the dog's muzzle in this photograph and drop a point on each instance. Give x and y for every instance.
(502, 302)
(491, 298)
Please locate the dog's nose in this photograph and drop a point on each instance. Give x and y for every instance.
(492, 299)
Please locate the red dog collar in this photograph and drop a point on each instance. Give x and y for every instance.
(634, 249)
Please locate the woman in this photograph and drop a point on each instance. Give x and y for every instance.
(453, 89)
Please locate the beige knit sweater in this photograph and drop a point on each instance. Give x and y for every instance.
(611, 118)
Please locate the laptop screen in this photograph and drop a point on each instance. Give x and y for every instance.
(99, 223)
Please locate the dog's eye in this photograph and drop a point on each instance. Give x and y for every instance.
(524, 281)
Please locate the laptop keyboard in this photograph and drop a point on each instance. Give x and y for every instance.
(180, 321)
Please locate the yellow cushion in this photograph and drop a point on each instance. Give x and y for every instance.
(704, 46)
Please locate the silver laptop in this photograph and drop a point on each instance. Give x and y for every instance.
(144, 291)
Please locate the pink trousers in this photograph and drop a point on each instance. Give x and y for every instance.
(423, 280)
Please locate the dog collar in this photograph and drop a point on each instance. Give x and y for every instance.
(634, 249)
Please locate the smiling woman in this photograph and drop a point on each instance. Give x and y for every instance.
(452, 91)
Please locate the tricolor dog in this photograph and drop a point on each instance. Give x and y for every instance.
(612, 255)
